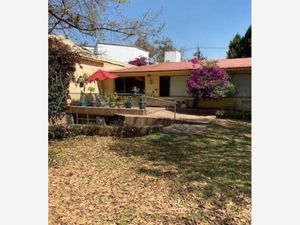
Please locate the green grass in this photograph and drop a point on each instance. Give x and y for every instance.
(160, 178)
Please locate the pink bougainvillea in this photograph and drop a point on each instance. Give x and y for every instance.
(139, 61)
(194, 61)
(209, 81)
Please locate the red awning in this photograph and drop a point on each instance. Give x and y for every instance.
(101, 75)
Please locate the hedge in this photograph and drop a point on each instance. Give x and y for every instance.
(65, 131)
(231, 114)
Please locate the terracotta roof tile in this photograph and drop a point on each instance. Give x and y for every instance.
(171, 66)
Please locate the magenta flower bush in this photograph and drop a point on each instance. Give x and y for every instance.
(210, 81)
(139, 61)
(194, 61)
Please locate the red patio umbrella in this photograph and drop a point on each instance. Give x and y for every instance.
(101, 75)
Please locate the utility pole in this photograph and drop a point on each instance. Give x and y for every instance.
(197, 54)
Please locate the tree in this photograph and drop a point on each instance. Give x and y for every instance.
(240, 47)
(61, 68)
(198, 54)
(158, 48)
(209, 81)
(96, 18)
(182, 51)
(144, 43)
(163, 45)
(246, 43)
(235, 47)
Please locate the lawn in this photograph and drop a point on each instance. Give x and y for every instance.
(156, 179)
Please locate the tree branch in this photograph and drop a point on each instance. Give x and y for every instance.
(85, 30)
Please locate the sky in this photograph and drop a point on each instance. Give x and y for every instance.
(207, 23)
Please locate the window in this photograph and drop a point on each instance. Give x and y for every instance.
(120, 85)
(125, 84)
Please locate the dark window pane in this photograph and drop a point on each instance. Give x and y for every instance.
(126, 84)
(120, 85)
(164, 86)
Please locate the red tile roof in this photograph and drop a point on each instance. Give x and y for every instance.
(171, 66)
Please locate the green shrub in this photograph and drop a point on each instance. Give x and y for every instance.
(61, 67)
(58, 132)
(231, 114)
(247, 115)
(61, 131)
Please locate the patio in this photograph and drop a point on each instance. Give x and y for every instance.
(89, 108)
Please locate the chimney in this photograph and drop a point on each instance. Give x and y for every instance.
(172, 56)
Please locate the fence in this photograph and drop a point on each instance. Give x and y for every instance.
(92, 100)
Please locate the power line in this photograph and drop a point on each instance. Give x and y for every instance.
(206, 47)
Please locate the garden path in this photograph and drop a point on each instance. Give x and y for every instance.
(185, 123)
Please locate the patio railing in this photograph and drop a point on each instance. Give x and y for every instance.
(90, 100)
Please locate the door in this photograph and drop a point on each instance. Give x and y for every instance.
(164, 86)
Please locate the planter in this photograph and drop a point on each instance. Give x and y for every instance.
(112, 104)
(128, 105)
(142, 105)
(94, 102)
(69, 102)
(120, 105)
(84, 103)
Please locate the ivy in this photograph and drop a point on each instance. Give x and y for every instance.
(61, 68)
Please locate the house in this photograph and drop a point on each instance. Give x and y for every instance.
(168, 81)
(118, 52)
(88, 64)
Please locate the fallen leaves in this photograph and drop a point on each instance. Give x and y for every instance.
(102, 180)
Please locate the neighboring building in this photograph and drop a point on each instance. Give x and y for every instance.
(168, 81)
(172, 56)
(118, 52)
(87, 65)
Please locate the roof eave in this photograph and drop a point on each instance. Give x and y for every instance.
(150, 71)
(153, 71)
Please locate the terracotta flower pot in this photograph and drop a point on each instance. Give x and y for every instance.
(69, 102)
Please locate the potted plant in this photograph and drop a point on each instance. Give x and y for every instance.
(113, 100)
(81, 82)
(128, 103)
(142, 101)
(92, 90)
(120, 104)
(69, 101)
(102, 99)
(142, 98)
(118, 100)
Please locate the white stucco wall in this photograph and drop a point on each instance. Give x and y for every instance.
(243, 84)
(178, 86)
(172, 56)
(120, 53)
(91, 49)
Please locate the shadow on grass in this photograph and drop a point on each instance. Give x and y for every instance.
(217, 163)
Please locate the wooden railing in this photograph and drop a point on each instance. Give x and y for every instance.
(123, 95)
(168, 101)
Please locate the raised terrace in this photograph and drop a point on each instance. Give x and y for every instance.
(151, 116)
